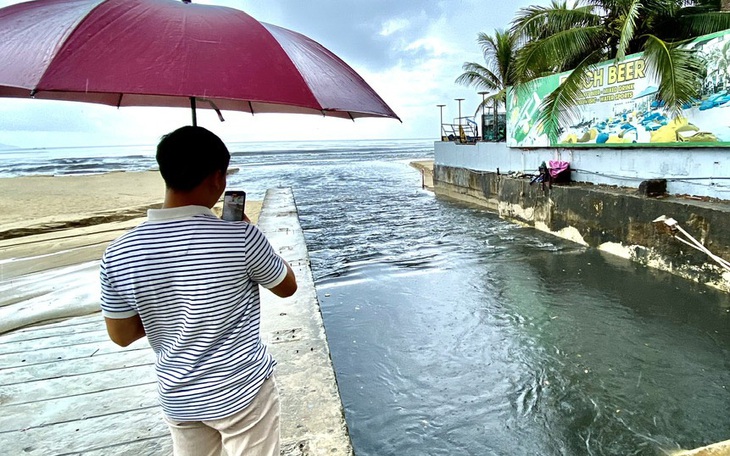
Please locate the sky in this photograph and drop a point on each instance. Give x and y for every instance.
(409, 51)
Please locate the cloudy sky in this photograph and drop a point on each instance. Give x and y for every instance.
(409, 51)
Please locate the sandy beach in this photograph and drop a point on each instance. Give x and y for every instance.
(59, 226)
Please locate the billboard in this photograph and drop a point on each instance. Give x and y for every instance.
(618, 105)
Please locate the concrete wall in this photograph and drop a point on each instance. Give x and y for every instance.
(689, 171)
(312, 415)
(615, 220)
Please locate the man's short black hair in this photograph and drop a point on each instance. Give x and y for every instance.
(190, 154)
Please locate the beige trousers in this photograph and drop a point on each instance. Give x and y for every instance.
(254, 431)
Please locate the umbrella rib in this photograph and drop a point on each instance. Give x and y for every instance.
(119, 102)
(215, 108)
(250, 106)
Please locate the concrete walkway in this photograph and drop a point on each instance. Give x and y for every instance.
(313, 421)
(65, 389)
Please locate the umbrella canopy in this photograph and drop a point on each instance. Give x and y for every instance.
(167, 53)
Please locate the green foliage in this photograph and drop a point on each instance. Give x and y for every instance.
(677, 69)
(497, 72)
(557, 107)
(579, 34)
(628, 28)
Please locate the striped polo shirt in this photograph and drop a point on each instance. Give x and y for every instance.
(194, 281)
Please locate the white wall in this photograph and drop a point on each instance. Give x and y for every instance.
(695, 171)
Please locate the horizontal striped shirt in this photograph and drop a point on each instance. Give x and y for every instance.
(194, 281)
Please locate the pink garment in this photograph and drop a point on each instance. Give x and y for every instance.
(556, 167)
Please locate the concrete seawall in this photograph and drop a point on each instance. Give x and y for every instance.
(615, 220)
(313, 421)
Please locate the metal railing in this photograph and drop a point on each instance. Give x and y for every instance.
(463, 130)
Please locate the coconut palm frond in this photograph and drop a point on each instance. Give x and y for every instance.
(524, 89)
(665, 7)
(533, 22)
(500, 98)
(702, 24)
(678, 71)
(628, 28)
(505, 57)
(560, 106)
(498, 51)
(488, 44)
(476, 75)
(496, 73)
(529, 22)
(557, 51)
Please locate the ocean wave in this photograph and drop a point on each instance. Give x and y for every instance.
(95, 160)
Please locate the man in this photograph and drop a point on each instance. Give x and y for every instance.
(189, 281)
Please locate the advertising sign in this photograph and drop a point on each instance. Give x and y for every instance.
(619, 105)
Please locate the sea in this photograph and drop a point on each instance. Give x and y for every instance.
(453, 332)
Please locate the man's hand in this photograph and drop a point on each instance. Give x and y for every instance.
(124, 331)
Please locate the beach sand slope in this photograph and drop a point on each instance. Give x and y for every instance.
(53, 231)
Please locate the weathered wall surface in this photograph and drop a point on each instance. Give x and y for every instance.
(702, 171)
(615, 220)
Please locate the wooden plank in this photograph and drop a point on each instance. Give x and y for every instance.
(54, 388)
(81, 366)
(84, 324)
(65, 340)
(88, 435)
(62, 258)
(56, 354)
(157, 446)
(30, 415)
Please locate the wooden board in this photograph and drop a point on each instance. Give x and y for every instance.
(66, 389)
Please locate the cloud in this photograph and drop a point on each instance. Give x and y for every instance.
(392, 26)
(371, 34)
(410, 52)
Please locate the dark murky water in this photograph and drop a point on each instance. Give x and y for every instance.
(455, 332)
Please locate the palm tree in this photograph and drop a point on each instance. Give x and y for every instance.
(496, 74)
(579, 35)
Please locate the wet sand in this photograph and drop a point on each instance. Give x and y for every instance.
(52, 227)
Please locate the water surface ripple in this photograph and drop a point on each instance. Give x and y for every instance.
(455, 332)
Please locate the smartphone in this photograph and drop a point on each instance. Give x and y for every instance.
(234, 202)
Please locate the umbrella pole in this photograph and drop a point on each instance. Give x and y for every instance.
(192, 106)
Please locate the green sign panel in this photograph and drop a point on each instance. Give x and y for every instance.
(619, 106)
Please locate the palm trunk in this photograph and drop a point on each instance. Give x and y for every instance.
(495, 124)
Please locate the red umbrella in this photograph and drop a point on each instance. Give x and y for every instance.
(170, 53)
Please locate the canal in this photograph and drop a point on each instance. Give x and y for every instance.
(455, 332)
